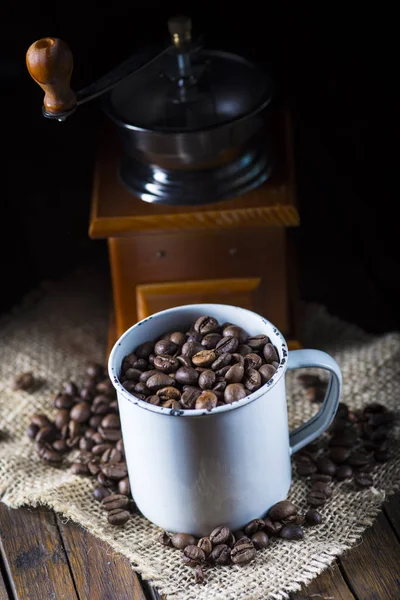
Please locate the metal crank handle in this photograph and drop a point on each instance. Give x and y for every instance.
(50, 63)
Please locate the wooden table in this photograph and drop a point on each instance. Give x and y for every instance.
(44, 558)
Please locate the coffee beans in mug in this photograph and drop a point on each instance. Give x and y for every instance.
(218, 359)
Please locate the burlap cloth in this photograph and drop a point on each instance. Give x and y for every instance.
(65, 324)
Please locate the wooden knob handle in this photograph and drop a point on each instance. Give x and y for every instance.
(50, 64)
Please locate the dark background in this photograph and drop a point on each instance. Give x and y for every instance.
(336, 71)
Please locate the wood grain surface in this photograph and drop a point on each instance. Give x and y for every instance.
(47, 559)
(34, 555)
(99, 572)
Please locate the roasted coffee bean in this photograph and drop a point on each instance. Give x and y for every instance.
(189, 397)
(222, 361)
(178, 337)
(252, 380)
(115, 501)
(79, 469)
(204, 358)
(199, 575)
(124, 487)
(252, 361)
(339, 454)
(237, 332)
(260, 540)
(186, 376)
(206, 325)
(273, 528)
(253, 526)
(73, 442)
(267, 372)
(282, 510)
(292, 532)
(133, 374)
(99, 449)
(358, 458)
(165, 539)
(144, 350)
(46, 434)
(80, 412)
(207, 400)
(363, 480)
(322, 487)
(168, 393)
(221, 555)
(63, 401)
(243, 552)
(344, 472)
(222, 372)
(219, 388)
(24, 381)
(227, 344)
(145, 375)
(237, 358)
(234, 392)
(118, 517)
(257, 342)
(94, 467)
(100, 493)
(207, 379)
(210, 340)
(110, 435)
(206, 545)
(61, 418)
(189, 349)
(244, 349)
(158, 381)
(103, 480)
(40, 421)
(115, 471)
(174, 404)
(235, 373)
(181, 540)
(155, 400)
(316, 498)
(48, 453)
(305, 469)
(166, 364)
(325, 465)
(313, 517)
(105, 457)
(219, 535)
(105, 387)
(194, 336)
(321, 477)
(270, 353)
(141, 390)
(60, 446)
(244, 539)
(110, 422)
(86, 443)
(193, 555)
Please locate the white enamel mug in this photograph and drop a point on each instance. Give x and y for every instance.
(191, 471)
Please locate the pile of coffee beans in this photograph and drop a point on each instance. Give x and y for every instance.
(353, 446)
(224, 547)
(207, 366)
(86, 420)
(87, 423)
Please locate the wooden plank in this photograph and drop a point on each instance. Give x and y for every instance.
(372, 568)
(99, 572)
(3, 589)
(329, 584)
(34, 555)
(392, 511)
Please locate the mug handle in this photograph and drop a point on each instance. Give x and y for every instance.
(307, 432)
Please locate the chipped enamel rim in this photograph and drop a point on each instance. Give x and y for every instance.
(113, 370)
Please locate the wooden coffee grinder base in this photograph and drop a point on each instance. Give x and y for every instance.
(231, 252)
